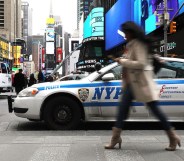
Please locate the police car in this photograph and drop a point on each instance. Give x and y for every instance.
(62, 105)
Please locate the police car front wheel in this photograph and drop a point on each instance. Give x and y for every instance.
(62, 113)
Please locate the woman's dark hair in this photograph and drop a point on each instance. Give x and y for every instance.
(135, 30)
(138, 33)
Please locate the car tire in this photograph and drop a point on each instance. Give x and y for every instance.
(62, 113)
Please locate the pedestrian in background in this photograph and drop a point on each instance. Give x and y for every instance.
(19, 81)
(26, 80)
(40, 77)
(32, 80)
(138, 84)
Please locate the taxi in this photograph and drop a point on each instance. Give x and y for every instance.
(64, 104)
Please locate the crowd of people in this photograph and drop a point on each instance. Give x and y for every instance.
(21, 81)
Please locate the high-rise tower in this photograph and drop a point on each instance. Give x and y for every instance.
(51, 10)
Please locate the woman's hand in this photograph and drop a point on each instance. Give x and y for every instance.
(117, 60)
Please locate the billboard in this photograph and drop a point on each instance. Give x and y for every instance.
(94, 24)
(50, 34)
(49, 47)
(121, 12)
(139, 11)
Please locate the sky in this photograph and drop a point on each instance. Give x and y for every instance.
(67, 9)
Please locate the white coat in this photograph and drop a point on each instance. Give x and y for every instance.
(140, 72)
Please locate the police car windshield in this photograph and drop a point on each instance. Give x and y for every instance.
(93, 76)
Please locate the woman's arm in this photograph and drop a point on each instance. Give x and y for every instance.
(140, 53)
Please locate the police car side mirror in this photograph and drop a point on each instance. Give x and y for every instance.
(108, 77)
(98, 66)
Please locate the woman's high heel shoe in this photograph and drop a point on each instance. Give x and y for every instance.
(116, 139)
(173, 139)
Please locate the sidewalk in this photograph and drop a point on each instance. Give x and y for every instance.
(141, 145)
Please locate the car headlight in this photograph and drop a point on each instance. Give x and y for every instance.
(28, 92)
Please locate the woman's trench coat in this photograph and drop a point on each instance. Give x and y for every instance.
(140, 72)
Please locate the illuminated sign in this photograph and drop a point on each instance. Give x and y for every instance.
(88, 64)
(59, 55)
(49, 47)
(94, 24)
(139, 11)
(121, 12)
(50, 21)
(50, 34)
(93, 38)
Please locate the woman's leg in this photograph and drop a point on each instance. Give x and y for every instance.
(159, 114)
(121, 116)
(123, 109)
(174, 139)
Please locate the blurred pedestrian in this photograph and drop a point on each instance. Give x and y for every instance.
(19, 81)
(40, 77)
(26, 81)
(32, 80)
(138, 84)
(36, 75)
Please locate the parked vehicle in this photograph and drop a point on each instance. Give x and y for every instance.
(5, 78)
(63, 104)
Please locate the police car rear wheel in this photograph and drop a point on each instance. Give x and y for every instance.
(62, 113)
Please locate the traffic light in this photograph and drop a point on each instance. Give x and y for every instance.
(172, 27)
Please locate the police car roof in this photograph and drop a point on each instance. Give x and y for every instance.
(173, 59)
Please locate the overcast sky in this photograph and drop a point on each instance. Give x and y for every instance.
(67, 9)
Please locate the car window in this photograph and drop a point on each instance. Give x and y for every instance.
(117, 71)
(71, 78)
(78, 78)
(172, 69)
(166, 73)
(66, 78)
(3, 68)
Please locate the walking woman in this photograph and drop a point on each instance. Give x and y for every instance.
(138, 84)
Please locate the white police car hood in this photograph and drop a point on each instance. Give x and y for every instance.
(69, 82)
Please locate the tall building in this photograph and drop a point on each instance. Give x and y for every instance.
(27, 25)
(83, 6)
(10, 19)
(50, 41)
(108, 4)
(37, 43)
(57, 20)
(26, 20)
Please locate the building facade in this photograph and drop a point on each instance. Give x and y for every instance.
(37, 44)
(10, 19)
(27, 26)
(26, 21)
(83, 6)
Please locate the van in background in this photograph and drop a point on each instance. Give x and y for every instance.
(5, 78)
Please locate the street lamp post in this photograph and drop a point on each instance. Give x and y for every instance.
(166, 20)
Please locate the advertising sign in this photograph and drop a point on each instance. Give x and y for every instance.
(50, 34)
(49, 47)
(94, 24)
(121, 12)
(140, 11)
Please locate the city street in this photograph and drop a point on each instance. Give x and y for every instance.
(81, 60)
(23, 140)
